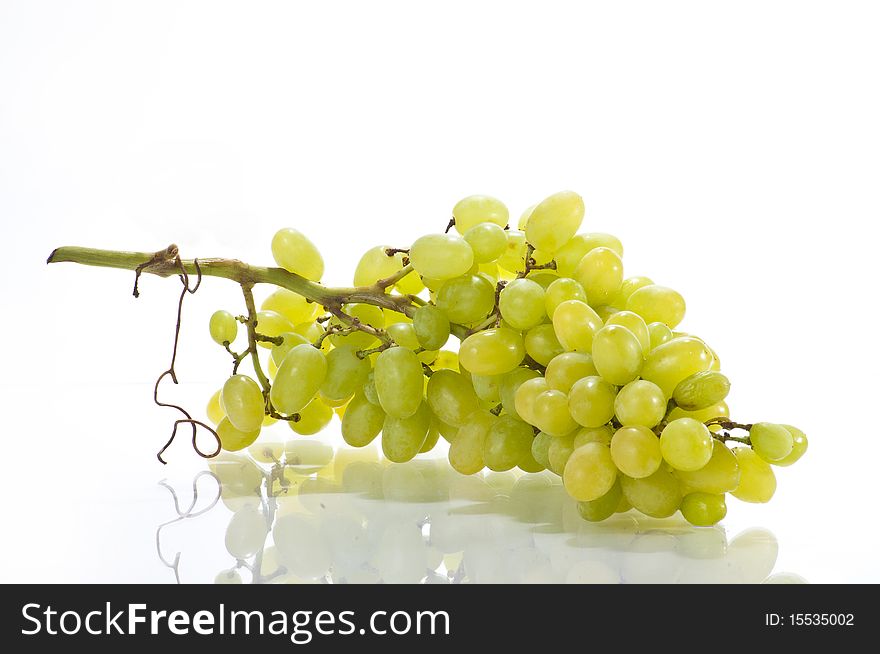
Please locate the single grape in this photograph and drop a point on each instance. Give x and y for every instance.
(441, 256)
(585, 435)
(521, 303)
(215, 409)
(527, 393)
(566, 368)
(757, 483)
(292, 306)
(701, 390)
(720, 475)
(575, 324)
(541, 449)
(798, 447)
(771, 442)
(674, 361)
(591, 401)
(555, 220)
(569, 255)
(551, 415)
(402, 438)
(507, 443)
(600, 272)
(446, 360)
(362, 421)
(488, 388)
(466, 299)
(446, 430)
(660, 334)
(312, 418)
(703, 509)
(686, 444)
(560, 290)
(272, 324)
(243, 401)
(510, 383)
(297, 254)
(640, 403)
(719, 410)
(629, 286)
(310, 331)
(346, 373)
(399, 381)
(524, 217)
(451, 397)
(289, 341)
(617, 354)
(299, 377)
(223, 327)
(513, 259)
(635, 451)
(603, 507)
(657, 496)
(589, 472)
(542, 345)
(432, 327)
(634, 323)
(487, 240)
(466, 449)
(377, 264)
(657, 304)
(232, 438)
(492, 351)
(475, 209)
(528, 463)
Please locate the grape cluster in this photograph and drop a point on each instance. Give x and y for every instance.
(563, 364)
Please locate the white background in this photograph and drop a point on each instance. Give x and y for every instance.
(733, 147)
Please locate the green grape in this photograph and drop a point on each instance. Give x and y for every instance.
(232, 438)
(559, 452)
(466, 449)
(522, 303)
(311, 331)
(290, 341)
(570, 254)
(550, 413)
(719, 476)
(591, 401)
(446, 360)
(446, 430)
(490, 270)
(492, 351)
(312, 418)
(585, 435)
(292, 306)
(298, 379)
(432, 327)
(297, 254)
(475, 209)
(757, 483)
(589, 473)
(529, 464)
(223, 327)
(346, 373)
(566, 368)
(271, 324)
(635, 451)
(524, 217)
(634, 323)
(560, 290)
(542, 277)
(686, 444)
(703, 509)
(370, 389)
(526, 394)
(674, 361)
(441, 256)
(376, 264)
(575, 324)
(719, 410)
(629, 286)
(399, 381)
(542, 345)
(658, 496)
(507, 443)
(404, 334)
(215, 409)
(657, 304)
(603, 507)
(402, 438)
(362, 421)
(555, 220)
(798, 447)
(660, 334)
(541, 449)
(243, 402)
(771, 442)
(488, 388)
(640, 403)
(701, 390)
(431, 439)
(366, 314)
(600, 272)
(605, 312)
(487, 240)
(617, 354)
(451, 397)
(510, 383)
(466, 299)
(514, 257)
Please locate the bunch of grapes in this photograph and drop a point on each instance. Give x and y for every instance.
(563, 364)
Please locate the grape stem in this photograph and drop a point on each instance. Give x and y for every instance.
(531, 264)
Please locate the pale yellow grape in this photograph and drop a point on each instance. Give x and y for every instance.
(617, 354)
(488, 388)
(272, 324)
(657, 304)
(223, 327)
(447, 431)
(591, 401)
(629, 286)
(600, 272)
(215, 410)
(589, 472)
(232, 438)
(466, 449)
(432, 327)
(605, 312)
(466, 299)
(311, 331)
(243, 401)
(528, 462)
(542, 277)
(292, 306)
(720, 410)
(566, 368)
(555, 220)
(575, 324)
(398, 379)
(430, 440)
(376, 264)
(441, 256)
(404, 334)
(551, 415)
(798, 448)
(524, 217)
(634, 323)
(771, 442)
(312, 418)
(411, 284)
(640, 403)
(451, 397)
(362, 421)
(492, 351)
(660, 334)
(703, 509)
(559, 452)
(541, 449)
(635, 451)
(701, 390)
(603, 507)
(290, 341)
(490, 270)
(757, 483)
(507, 443)
(476, 209)
(298, 379)
(522, 303)
(402, 438)
(560, 290)
(569, 255)
(658, 495)
(674, 361)
(366, 314)
(487, 240)
(720, 475)
(686, 444)
(542, 345)
(446, 360)
(585, 435)
(346, 373)
(510, 383)
(294, 252)
(526, 394)
(514, 257)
